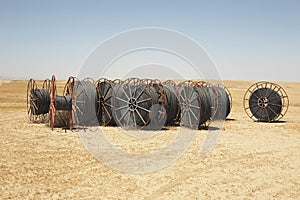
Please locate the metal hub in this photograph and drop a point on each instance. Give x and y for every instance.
(132, 104)
(263, 102)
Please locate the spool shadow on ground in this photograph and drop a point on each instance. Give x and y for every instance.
(230, 119)
(273, 122)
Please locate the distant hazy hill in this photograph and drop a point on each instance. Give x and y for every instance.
(12, 78)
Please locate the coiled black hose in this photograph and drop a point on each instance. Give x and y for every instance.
(205, 101)
(63, 102)
(172, 108)
(224, 104)
(40, 101)
(265, 104)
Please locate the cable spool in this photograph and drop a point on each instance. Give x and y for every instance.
(133, 101)
(224, 102)
(172, 107)
(83, 95)
(158, 111)
(194, 104)
(104, 101)
(58, 104)
(207, 103)
(38, 101)
(86, 102)
(265, 102)
(211, 98)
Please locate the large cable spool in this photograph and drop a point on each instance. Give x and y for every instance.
(212, 98)
(172, 106)
(59, 108)
(104, 101)
(224, 102)
(89, 105)
(158, 110)
(206, 97)
(38, 101)
(83, 95)
(266, 102)
(194, 104)
(133, 101)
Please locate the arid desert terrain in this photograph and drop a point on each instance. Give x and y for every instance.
(251, 160)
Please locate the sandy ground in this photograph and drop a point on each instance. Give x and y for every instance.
(250, 161)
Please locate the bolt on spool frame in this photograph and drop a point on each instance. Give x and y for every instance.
(265, 102)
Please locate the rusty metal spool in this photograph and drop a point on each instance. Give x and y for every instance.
(83, 107)
(173, 106)
(266, 102)
(75, 107)
(60, 106)
(38, 101)
(133, 100)
(194, 103)
(104, 101)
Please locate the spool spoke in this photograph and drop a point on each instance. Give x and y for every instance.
(144, 88)
(78, 109)
(144, 100)
(134, 118)
(107, 112)
(193, 106)
(190, 118)
(124, 114)
(273, 104)
(106, 91)
(143, 108)
(194, 114)
(108, 98)
(122, 107)
(126, 94)
(140, 116)
(109, 105)
(122, 100)
(267, 114)
(194, 99)
(252, 106)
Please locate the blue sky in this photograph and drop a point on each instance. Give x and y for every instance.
(253, 40)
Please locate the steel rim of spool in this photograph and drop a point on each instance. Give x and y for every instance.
(31, 86)
(186, 104)
(52, 100)
(102, 100)
(275, 88)
(131, 98)
(46, 84)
